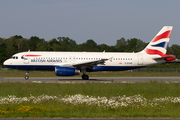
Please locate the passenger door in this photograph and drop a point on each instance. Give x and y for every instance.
(140, 59)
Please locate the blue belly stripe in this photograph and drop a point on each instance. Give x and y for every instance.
(52, 68)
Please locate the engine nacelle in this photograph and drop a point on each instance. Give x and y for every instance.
(66, 71)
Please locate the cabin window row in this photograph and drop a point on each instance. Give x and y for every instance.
(65, 58)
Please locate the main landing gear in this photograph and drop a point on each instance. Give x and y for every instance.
(84, 76)
(27, 75)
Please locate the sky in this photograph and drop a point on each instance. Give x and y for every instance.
(104, 21)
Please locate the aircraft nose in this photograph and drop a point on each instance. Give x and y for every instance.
(5, 63)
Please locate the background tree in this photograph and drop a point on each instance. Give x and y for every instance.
(131, 45)
(1, 40)
(20, 43)
(3, 54)
(140, 45)
(42, 46)
(11, 46)
(121, 45)
(67, 44)
(54, 45)
(90, 45)
(175, 50)
(33, 42)
(103, 47)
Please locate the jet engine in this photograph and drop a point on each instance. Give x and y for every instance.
(66, 71)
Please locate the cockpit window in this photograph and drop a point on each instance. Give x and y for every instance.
(14, 57)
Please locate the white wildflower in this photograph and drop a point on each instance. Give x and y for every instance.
(104, 102)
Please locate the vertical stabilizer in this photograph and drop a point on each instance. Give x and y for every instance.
(158, 45)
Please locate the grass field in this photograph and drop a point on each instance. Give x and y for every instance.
(90, 100)
(14, 73)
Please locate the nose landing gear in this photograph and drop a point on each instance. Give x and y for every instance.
(27, 75)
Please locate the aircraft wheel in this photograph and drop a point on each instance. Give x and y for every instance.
(26, 77)
(85, 77)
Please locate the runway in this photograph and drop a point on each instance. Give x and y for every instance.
(92, 79)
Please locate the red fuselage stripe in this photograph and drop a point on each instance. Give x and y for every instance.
(31, 55)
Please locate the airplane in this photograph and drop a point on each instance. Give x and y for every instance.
(72, 63)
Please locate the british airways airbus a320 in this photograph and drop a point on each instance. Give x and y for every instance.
(72, 63)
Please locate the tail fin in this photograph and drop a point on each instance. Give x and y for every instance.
(158, 45)
(160, 42)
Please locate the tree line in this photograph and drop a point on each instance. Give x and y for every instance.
(17, 43)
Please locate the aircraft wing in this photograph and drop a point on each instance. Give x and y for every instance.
(89, 64)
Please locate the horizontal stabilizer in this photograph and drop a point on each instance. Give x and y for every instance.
(166, 58)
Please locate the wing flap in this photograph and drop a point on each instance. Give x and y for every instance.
(91, 63)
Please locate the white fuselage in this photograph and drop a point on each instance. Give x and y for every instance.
(49, 60)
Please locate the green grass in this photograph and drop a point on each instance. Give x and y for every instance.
(15, 73)
(54, 108)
